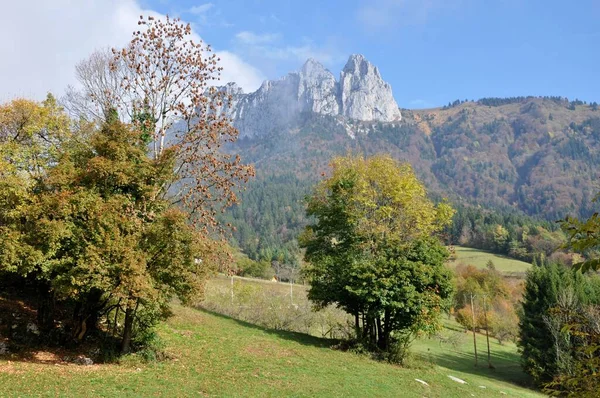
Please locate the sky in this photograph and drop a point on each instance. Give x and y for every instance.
(430, 51)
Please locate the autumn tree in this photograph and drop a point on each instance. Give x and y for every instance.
(584, 238)
(100, 88)
(494, 300)
(31, 136)
(163, 83)
(372, 250)
(93, 235)
(114, 245)
(121, 216)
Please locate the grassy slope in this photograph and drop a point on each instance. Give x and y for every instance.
(503, 357)
(479, 258)
(218, 356)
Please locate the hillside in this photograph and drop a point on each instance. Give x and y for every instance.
(218, 356)
(534, 156)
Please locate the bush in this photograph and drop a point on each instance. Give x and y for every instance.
(255, 269)
(150, 346)
(399, 350)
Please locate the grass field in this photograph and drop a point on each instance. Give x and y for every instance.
(215, 355)
(479, 258)
(218, 356)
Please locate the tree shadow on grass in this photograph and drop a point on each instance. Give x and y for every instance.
(301, 338)
(506, 365)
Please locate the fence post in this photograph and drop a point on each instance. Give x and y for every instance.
(474, 336)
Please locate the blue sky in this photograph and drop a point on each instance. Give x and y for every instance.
(431, 51)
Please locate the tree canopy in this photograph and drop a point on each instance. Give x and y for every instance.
(114, 215)
(372, 249)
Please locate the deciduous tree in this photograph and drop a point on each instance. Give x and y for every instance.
(163, 83)
(371, 250)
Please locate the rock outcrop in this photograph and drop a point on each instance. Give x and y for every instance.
(361, 94)
(318, 90)
(364, 94)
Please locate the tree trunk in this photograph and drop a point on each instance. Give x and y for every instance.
(380, 339)
(85, 315)
(356, 325)
(364, 327)
(117, 308)
(128, 328)
(372, 331)
(45, 310)
(387, 330)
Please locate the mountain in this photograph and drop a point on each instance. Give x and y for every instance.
(360, 94)
(534, 155)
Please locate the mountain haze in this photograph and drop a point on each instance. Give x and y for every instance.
(360, 94)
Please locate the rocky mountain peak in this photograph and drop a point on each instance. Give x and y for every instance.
(361, 94)
(232, 88)
(364, 94)
(312, 66)
(358, 64)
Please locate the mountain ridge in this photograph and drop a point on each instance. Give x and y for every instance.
(535, 155)
(360, 94)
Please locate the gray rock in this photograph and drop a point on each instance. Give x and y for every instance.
(364, 94)
(81, 360)
(361, 94)
(4, 348)
(32, 328)
(318, 90)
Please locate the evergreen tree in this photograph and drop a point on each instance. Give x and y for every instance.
(544, 285)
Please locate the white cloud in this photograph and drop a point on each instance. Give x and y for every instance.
(270, 19)
(43, 40)
(201, 9)
(205, 15)
(236, 70)
(301, 53)
(267, 46)
(252, 38)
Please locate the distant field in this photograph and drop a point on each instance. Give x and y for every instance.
(479, 258)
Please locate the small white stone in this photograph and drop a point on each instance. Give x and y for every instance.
(456, 379)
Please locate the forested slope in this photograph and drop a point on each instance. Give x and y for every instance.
(521, 156)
